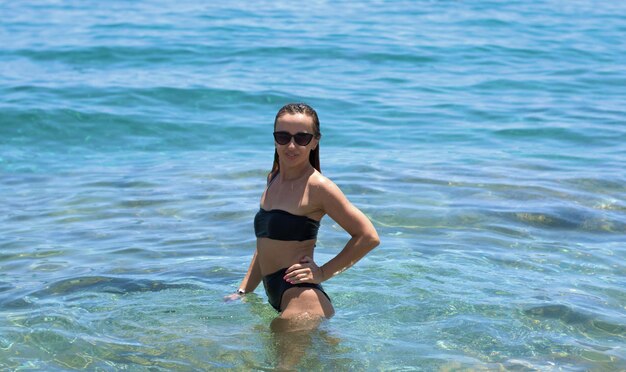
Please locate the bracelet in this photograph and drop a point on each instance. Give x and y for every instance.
(240, 292)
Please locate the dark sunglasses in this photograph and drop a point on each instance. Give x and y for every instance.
(302, 139)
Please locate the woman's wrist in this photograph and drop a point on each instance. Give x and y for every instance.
(240, 292)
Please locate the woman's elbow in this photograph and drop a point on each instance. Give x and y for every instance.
(372, 240)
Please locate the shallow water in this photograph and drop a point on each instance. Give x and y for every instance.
(485, 140)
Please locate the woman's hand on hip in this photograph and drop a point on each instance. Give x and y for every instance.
(306, 271)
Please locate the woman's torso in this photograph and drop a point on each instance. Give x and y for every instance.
(290, 211)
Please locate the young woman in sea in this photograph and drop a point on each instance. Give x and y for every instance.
(296, 198)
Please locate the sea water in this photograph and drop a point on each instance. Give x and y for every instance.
(485, 140)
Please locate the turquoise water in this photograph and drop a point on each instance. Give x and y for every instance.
(486, 140)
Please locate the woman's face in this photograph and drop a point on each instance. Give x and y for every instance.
(291, 153)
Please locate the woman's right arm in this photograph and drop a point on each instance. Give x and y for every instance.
(250, 281)
(253, 276)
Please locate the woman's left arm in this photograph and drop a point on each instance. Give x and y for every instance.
(363, 239)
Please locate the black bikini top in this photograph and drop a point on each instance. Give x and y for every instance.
(281, 225)
(278, 224)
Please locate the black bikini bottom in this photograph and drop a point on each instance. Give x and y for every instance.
(275, 286)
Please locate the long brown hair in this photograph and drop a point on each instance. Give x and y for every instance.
(299, 108)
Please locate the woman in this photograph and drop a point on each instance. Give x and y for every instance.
(296, 198)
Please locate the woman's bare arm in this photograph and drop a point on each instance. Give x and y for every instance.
(363, 239)
(249, 282)
(253, 276)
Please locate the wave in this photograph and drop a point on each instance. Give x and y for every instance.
(109, 56)
(94, 284)
(569, 219)
(572, 316)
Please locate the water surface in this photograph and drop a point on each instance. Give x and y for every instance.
(485, 140)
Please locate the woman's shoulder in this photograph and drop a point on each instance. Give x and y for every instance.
(326, 194)
(322, 184)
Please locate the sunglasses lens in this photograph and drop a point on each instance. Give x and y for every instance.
(282, 138)
(303, 139)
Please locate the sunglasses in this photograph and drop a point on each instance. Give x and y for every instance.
(302, 139)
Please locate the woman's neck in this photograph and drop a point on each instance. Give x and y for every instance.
(294, 173)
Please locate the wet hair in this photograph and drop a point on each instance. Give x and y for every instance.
(299, 108)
